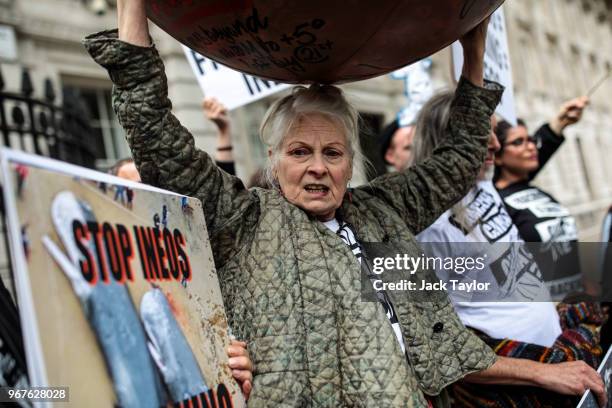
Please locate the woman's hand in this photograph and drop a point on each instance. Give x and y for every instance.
(569, 378)
(473, 44)
(132, 22)
(569, 114)
(216, 112)
(572, 378)
(241, 365)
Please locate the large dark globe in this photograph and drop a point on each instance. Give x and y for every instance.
(326, 41)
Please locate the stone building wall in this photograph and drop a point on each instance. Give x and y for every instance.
(559, 50)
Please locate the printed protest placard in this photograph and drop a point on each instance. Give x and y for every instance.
(497, 63)
(418, 88)
(116, 286)
(232, 88)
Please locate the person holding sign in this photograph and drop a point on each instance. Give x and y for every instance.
(548, 138)
(289, 259)
(516, 317)
(539, 216)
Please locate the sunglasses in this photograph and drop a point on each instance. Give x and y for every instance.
(522, 141)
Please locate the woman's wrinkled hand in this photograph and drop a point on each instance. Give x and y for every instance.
(573, 378)
(569, 113)
(241, 365)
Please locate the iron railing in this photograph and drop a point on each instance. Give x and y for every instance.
(45, 127)
(42, 126)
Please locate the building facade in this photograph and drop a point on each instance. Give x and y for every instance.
(559, 49)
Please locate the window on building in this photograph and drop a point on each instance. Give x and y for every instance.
(110, 144)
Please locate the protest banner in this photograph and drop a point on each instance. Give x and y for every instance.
(116, 287)
(497, 63)
(317, 41)
(232, 88)
(417, 88)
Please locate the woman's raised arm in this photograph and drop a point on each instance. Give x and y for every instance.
(163, 150)
(132, 22)
(423, 192)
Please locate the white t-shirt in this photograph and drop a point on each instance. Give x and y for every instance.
(345, 232)
(486, 220)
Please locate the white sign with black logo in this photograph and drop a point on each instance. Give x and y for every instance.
(418, 88)
(231, 87)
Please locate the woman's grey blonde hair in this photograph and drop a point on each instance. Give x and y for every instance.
(431, 126)
(284, 113)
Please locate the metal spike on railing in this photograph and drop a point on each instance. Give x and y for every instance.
(49, 91)
(26, 83)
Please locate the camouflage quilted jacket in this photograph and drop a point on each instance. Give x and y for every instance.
(291, 287)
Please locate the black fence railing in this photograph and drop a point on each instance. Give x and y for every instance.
(44, 127)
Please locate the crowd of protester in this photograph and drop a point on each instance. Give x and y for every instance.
(554, 333)
(550, 334)
(299, 232)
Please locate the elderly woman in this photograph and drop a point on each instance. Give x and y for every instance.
(288, 259)
(513, 320)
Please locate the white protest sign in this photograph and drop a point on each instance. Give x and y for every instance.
(417, 88)
(115, 284)
(232, 88)
(497, 63)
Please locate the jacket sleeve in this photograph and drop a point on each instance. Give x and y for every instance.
(227, 167)
(163, 150)
(423, 192)
(550, 144)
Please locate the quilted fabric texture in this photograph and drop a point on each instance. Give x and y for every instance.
(291, 287)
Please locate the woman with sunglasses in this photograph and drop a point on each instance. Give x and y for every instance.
(539, 216)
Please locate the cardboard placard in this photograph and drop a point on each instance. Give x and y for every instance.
(116, 286)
